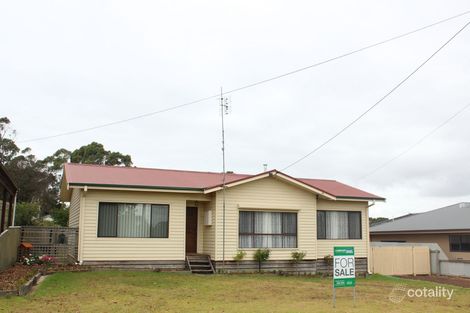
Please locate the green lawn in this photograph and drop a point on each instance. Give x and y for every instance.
(123, 291)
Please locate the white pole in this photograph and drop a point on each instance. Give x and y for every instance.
(14, 210)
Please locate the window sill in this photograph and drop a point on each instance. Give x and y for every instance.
(272, 249)
(338, 239)
(127, 238)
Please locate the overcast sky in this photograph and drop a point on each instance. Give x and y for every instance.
(66, 65)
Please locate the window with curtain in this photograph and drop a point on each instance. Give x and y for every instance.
(133, 220)
(339, 225)
(459, 243)
(267, 229)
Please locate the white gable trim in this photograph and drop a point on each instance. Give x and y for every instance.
(274, 174)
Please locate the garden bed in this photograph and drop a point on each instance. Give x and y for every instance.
(14, 277)
(19, 279)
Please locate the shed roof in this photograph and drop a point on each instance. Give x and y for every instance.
(453, 217)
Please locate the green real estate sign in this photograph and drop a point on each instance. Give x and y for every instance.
(344, 269)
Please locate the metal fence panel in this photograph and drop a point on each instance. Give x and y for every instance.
(59, 242)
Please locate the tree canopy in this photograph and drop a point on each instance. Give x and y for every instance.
(38, 180)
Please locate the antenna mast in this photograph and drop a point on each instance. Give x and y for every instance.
(223, 111)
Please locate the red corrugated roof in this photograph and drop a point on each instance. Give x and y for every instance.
(338, 189)
(85, 174)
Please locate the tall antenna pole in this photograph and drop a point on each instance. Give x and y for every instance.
(223, 111)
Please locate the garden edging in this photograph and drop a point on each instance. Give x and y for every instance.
(24, 289)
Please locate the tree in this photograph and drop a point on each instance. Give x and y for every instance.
(26, 213)
(261, 255)
(94, 153)
(56, 161)
(8, 147)
(377, 220)
(38, 181)
(36, 184)
(61, 216)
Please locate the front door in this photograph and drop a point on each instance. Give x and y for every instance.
(191, 229)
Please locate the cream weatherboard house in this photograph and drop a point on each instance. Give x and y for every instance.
(165, 219)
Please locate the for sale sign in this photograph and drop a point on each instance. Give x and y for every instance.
(344, 269)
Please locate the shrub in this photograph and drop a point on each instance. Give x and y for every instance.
(47, 260)
(298, 256)
(31, 260)
(26, 213)
(261, 255)
(328, 259)
(239, 256)
(61, 216)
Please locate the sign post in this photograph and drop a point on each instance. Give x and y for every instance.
(344, 270)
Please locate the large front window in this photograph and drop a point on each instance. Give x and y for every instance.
(267, 229)
(338, 225)
(133, 220)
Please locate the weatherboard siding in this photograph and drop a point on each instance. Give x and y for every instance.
(268, 194)
(361, 246)
(74, 210)
(94, 248)
(208, 246)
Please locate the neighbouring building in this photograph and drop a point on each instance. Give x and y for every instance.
(449, 227)
(129, 216)
(7, 200)
(9, 236)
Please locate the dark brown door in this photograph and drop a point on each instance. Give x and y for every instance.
(191, 230)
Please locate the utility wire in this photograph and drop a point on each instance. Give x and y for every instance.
(346, 54)
(376, 103)
(415, 144)
(120, 121)
(248, 85)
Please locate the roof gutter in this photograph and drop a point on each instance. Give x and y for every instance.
(427, 231)
(360, 198)
(110, 186)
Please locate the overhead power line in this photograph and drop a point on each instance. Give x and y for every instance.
(148, 114)
(376, 103)
(411, 147)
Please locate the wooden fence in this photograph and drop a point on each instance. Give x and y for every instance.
(59, 242)
(397, 260)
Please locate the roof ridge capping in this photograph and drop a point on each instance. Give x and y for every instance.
(151, 168)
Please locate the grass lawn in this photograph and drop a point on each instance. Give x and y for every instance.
(122, 291)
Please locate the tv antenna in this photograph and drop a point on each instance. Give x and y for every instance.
(224, 110)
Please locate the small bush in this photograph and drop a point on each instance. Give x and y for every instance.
(298, 256)
(239, 256)
(261, 255)
(328, 259)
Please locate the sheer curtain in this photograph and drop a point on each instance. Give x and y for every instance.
(267, 229)
(337, 225)
(289, 229)
(133, 220)
(159, 227)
